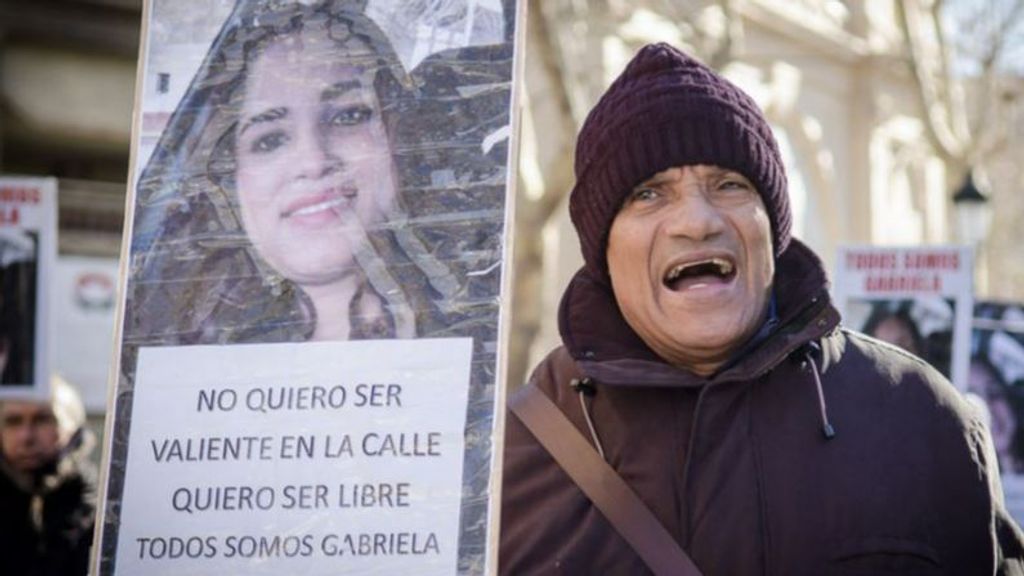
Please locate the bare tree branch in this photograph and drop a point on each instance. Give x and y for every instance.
(936, 111)
(725, 51)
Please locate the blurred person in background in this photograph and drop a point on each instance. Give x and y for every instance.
(47, 487)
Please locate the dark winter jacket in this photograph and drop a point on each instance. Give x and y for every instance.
(46, 523)
(736, 466)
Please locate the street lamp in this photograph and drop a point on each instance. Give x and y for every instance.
(973, 212)
(973, 221)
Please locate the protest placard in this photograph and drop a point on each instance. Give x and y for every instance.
(28, 249)
(309, 349)
(996, 377)
(918, 298)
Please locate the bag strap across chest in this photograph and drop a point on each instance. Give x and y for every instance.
(623, 509)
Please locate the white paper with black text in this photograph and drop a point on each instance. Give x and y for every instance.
(293, 458)
(315, 175)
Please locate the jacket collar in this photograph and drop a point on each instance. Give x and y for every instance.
(609, 351)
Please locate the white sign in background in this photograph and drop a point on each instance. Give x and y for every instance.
(872, 273)
(309, 458)
(84, 294)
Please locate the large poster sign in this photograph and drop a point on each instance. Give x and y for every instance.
(918, 298)
(308, 377)
(28, 249)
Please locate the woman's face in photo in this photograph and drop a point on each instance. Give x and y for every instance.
(896, 331)
(314, 164)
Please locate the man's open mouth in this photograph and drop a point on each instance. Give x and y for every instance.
(699, 273)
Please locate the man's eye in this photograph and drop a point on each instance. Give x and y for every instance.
(644, 194)
(268, 142)
(734, 185)
(733, 189)
(43, 419)
(350, 116)
(12, 422)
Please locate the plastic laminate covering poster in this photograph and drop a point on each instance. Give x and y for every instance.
(308, 361)
(996, 376)
(28, 249)
(918, 298)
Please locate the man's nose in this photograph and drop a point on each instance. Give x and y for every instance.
(693, 215)
(23, 434)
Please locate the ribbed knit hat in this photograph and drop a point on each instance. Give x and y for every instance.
(666, 110)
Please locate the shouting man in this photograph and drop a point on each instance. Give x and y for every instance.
(707, 413)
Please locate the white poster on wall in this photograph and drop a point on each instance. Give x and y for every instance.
(28, 249)
(919, 298)
(84, 297)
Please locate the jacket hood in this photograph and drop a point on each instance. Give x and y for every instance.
(607, 349)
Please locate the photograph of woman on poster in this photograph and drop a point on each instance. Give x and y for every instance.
(277, 195)
(1004, 404)
(921, 326)
(895, 326)
(313, 173)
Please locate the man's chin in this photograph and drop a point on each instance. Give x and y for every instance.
(709, 344)
(25, 466)
(29, 465)
(717, 331)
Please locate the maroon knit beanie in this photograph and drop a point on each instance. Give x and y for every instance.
(666, 110)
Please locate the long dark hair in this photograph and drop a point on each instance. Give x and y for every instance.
(900, 312)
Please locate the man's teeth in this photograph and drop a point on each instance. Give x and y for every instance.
(725, 268)
(319, 207)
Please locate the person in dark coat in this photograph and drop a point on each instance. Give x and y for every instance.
(46, 489)
(704, 362)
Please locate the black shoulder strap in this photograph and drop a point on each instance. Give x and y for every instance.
(606, 489)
